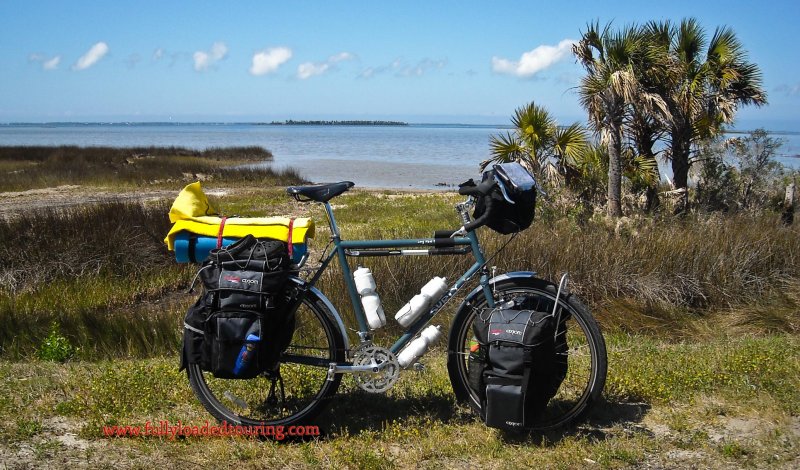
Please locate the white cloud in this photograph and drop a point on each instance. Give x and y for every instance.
(342, 56)
(51, 64)
(421, 67)
(402, 69)
(97, 52)
(788, 89)
(47, 64)
(268, 60)
(158, 54)
(309, 69)
(205, 59)
(534, 61)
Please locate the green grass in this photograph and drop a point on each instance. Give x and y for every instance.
(710, 384)
(646, 369)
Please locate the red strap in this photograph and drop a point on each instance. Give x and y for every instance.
(221, 229)
(289, 241)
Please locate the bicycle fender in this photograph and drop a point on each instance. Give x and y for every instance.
(318, 294)
(497, 279)
(505, 276)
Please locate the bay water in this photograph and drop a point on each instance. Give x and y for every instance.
(417, 156)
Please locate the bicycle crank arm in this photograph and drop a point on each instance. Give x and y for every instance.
(335, 368)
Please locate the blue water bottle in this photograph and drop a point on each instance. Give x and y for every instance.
(246, 354)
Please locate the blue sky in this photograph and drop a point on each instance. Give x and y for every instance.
(420, 61)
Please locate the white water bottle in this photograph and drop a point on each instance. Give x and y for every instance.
(365, 285)
(421, 303)
(419, 346)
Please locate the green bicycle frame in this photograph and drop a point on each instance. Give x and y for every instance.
(344, 248)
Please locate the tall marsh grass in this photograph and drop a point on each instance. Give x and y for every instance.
(91, 270)
(698, 262)
(102, 271)
(39, 167)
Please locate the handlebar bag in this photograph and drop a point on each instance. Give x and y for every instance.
(513, 198)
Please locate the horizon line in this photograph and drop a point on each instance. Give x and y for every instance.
(278, 123)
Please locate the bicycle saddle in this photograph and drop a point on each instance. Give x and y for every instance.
(319, 192)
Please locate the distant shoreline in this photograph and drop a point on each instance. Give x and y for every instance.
(292, 122)
(343, 123)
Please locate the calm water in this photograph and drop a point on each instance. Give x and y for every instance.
(418, 156)
(415, 156)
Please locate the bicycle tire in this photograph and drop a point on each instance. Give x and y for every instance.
(585, 380)
(244, 402)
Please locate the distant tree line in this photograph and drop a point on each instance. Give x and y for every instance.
(292, 122)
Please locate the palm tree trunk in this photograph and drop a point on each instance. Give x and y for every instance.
(615, 172)
(680, 165)
(645, 142)
(681, 147)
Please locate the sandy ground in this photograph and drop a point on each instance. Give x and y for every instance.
(71, 195)
(12, 203)
(58, 444)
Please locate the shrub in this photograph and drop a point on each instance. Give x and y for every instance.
(55, 346)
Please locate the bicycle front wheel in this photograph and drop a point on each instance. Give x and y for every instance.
(586, 352)
(293, 394)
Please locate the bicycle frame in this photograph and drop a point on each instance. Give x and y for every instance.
(342, 249)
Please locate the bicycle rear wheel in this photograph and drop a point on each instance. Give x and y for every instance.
(586, 354)
(293, 394)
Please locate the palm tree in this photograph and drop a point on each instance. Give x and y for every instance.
(614, 62)
(706, 83)
(538, 143)
(648, 121)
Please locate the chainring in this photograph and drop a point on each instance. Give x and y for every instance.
(376, 356)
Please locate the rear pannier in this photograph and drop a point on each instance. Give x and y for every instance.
(241, 324)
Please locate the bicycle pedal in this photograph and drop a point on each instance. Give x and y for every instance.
(418, 366)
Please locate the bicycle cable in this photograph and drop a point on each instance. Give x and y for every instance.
(513, 236)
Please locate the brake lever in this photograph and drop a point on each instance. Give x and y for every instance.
(459, 233)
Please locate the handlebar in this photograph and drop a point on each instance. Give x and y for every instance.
(479, 191)
(484, 218)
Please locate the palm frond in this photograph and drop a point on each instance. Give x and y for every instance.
(504, 148)
(569, 143)
(642, 169)
(534, 126)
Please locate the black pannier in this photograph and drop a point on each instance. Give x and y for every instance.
(513, 198)
(241, 324)
(519, 362)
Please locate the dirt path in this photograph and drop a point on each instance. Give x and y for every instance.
(16, 202)
(71, 195)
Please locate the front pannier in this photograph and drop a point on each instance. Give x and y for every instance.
(513, 198)
(519, 362)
